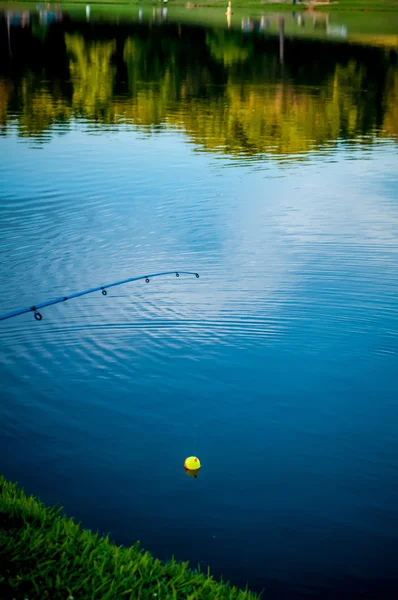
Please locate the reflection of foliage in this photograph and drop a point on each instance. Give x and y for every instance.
(150, 81)
(5, 97)
(92, 75)
(391, 117)
(41, 108)
(162, 73)
(253, 117)
(225, 91)
(275, 119)
(223, 47)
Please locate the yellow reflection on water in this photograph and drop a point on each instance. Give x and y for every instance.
(228, 92)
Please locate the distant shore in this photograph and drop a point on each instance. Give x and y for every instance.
(263, 5)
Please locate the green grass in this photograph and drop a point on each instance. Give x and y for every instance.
(43, 555)
(359, 23)
(263, 5)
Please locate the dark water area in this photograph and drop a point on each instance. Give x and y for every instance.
(268, 163)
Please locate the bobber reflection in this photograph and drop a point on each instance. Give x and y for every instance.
(193, 474)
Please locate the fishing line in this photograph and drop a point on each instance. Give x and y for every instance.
(101, 288)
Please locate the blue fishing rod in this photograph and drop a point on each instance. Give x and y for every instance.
(38, 316)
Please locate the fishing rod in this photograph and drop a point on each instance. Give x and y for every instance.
(38, 316)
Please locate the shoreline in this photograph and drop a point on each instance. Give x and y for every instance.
(44, 554)
(351, 6)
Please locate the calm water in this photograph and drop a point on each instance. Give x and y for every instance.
(267, 162)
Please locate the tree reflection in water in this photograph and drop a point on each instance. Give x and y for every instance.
(228, 91)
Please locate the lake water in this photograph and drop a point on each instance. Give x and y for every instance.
(263, 155)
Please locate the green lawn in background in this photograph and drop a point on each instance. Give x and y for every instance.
(264, 5)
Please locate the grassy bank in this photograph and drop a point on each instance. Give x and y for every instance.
(263, 5)
(45, 555)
